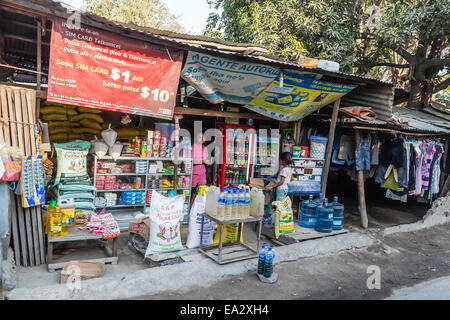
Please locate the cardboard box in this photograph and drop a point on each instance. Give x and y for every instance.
(140, 227)
(259, 183)
(82, 270)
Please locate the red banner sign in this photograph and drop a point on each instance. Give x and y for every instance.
(99, 69)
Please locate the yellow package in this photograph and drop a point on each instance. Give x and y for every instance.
(230, 233)
(91, 124)
(58, 124)
(88, 110)
(68, 216)
(58, 130)
(90, 116)
(86, 130)
(75, 136)
(58, 137)
(284, 218)
(54, 116)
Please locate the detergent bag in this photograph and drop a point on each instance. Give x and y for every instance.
(166, 215)
(195, 225)
(72, 157)
(284, 218)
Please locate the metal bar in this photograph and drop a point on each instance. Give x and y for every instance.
(220, 243)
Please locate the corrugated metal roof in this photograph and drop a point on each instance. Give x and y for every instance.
(418, 120)
(379, 98)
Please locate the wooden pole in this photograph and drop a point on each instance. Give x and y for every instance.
(298, 129)
(361, 194)
(326, 167)
(38, 63)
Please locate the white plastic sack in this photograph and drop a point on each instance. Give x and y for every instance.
(166, 215)
(256, 203)
(100, 148)
(195, 225)
(109, 136)
(115, 150)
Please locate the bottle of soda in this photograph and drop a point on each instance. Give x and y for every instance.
(262, 258)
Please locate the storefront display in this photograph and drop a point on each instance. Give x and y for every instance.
(238, 144)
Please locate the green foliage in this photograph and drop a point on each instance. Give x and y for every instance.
(144, 13)
(337, 30)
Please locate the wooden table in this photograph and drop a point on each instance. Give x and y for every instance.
(79, 235)
(219, 258)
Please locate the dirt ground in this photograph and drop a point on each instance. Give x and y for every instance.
(412, 258)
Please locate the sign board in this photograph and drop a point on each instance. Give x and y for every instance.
(219, 79)
(99, 69)
(291, 97)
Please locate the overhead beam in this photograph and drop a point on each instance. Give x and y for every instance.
(17, 37)
(216, 113)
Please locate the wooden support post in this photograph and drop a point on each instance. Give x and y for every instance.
(298, 128)
(38, 62)
(361, 194)
(326, 166)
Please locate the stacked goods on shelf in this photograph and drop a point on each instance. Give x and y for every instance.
(67, 122)
(72, 180)
(132, 198)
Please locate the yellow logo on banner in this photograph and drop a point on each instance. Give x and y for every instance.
(291, 97)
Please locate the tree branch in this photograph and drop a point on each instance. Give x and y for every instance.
(402, 52)
(436, 63)
(442, 86)
(393, 65)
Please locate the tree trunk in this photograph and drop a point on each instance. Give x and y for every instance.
(415, 100)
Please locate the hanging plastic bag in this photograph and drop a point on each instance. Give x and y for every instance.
(100, 148)
(12, 162)
(166, 215)
(109, 136)
(115, 150)
(195, 225)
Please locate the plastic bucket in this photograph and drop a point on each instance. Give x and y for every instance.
(296, 151)
(318, 146)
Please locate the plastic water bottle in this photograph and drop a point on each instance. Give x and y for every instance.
(241, 204)
(324, 217)
(235, 210)
(262, 258)
(221, 204)
(247, 203)
(319, 200)
(229, 205)
(268, 262)
(338, 214)
(301, 219)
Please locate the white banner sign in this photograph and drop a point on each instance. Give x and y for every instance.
(219, 79)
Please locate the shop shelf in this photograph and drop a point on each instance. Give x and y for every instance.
(124, 205)
(121, 174)
(311, 159)
(119, 190)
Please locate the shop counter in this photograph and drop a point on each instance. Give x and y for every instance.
(80, 235)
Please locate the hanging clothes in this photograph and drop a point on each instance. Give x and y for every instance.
(362, 153)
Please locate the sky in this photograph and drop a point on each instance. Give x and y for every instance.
(192, 13)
